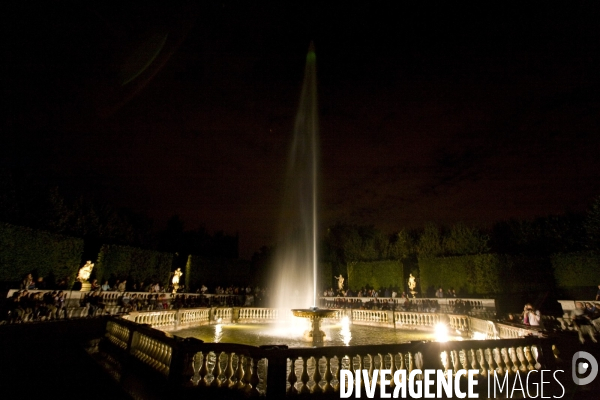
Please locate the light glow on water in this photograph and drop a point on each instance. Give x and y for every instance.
(345, 332)
(441, 332)
(339, 333)
(218, 333)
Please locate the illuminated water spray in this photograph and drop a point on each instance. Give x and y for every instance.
(295, 277)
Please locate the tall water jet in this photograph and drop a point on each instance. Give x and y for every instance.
(294, 283)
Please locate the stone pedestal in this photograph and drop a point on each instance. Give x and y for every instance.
(85, 287)
(314, 334)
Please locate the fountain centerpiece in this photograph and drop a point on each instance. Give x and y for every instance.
(295, 278)
(315, 316)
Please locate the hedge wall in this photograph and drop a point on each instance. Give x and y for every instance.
(486, 274)
(140, 264)
(218, 272)
(376, 274)
(476, 274)
(25, 250)
(581, 269)
(325, 275)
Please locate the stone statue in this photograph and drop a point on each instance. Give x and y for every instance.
(176, 275)
(340, 280)
(85, 271)
(412, 282)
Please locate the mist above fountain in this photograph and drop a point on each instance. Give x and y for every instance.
(295, 278)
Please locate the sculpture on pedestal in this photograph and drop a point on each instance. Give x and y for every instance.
(84, 275)
(85, 271)
(412, 284)
(175, 281)
(340, 280)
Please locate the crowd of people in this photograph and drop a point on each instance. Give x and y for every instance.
(402, 303)
(25, 306)
(28, 304)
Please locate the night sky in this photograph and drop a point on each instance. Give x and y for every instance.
(473, 112)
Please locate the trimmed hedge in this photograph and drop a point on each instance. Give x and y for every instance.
(218, 272)
(579, 269)
(124, 261)
(486, 274)
(477, 274)
(26, 250)
(376, 274)
(325, 275)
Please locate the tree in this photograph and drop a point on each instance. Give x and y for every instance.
(402, 244)
(592, 225)
(430, 242)
(463, 240)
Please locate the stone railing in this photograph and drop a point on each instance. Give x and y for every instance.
(171, 318)
(373, 317)
(195, 316)
(466, 325)
(277, 371)
(460, 322)
(250, 315)
(157, 319)
(413, 320)
(484, 307)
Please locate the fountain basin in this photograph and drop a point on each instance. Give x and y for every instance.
(315, 315)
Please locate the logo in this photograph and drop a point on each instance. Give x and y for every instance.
(581, 368)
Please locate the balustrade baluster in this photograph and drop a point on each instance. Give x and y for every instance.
(418, 362)
(462, 357)
(522, 360)
(531, 362)
(239, 373)
(389, 364)
(454, 360)
(304, 377)
(490, 361)
(368, 364)
(482, 364)
(254, 378)
(204, 370)
(292, 378)
(472, 359)
(500, 367)
(248, 388)
(196, 365)
(218, 373)
(327, 377)
(508, 366)
(229, 371)
(512, 352)
(536, 356)
(211, 363)
(409, 362)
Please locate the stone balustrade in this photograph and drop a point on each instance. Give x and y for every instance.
(156, 319)
(174, 319)
(254, 314)
(196, 316)
(373, 317)
(152, 351)
(414, 320)
(482, 307)
(277, 371)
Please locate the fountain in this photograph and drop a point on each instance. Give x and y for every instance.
(295, 281)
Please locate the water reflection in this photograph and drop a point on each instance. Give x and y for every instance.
(345, 333)
(218, 333)
(341, 333)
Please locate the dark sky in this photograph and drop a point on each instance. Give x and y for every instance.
(474, 112)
